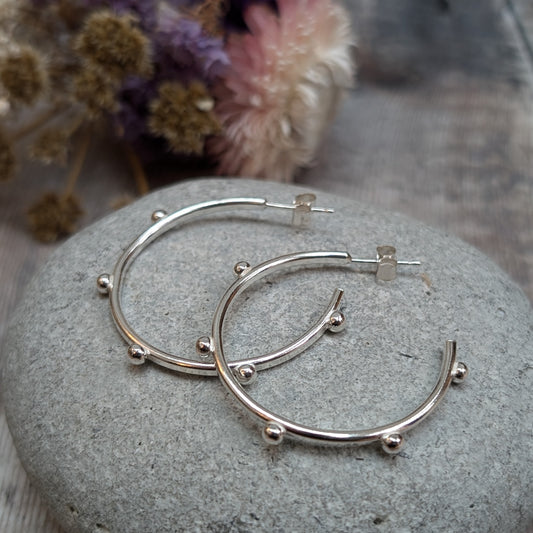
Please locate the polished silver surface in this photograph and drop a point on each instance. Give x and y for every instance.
(158, 215)
(241, 267)
(246, 374)
(103, 283)
(459, 372)
(141, 350)
(276, 427)
(137, 354)
(392, 443)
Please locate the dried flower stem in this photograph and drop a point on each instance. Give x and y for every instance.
(77, 164)
(73, 126)
(138, 171)
(34, 124)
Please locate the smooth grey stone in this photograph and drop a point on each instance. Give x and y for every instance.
(114, 447)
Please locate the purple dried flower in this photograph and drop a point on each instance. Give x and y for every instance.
(130, 120)
(145, 10)
(184, 51)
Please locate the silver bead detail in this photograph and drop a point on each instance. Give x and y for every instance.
(204, 347)
(459, 373)
(273, 433)
(104, 283)
(245, 374)
(337, 321)
(158, 215)
(392, 443)
(137, 354)
(241, 268)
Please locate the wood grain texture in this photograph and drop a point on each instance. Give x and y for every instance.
(522, 10)
(440, 128)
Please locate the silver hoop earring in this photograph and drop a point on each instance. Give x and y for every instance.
(275, 427)
(140, 350)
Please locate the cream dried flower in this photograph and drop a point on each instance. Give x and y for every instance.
(282, 88)
(112, 44)
(23, 75)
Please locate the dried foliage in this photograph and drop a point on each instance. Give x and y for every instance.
(183, 116)
(95, 91)
(210, 14)
(23, 76)
(250, 83)
(54, 216)
(113, 45)
(52, 146)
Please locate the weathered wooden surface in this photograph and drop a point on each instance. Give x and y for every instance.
(440, 128)
(522, 10)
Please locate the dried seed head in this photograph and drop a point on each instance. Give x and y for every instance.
(183, 116)
(96, 91)
(54, 216)
(23, 76)
(112, 44)
(52, 146)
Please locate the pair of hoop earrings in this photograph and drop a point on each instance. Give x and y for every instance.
(235, 375)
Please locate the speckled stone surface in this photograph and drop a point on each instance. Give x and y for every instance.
(114, 447)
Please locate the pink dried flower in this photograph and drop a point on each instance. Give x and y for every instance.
(282, 88)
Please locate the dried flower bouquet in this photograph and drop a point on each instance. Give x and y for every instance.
(249, 84)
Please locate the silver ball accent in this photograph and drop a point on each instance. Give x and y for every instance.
(459, 372)
(392, 443)
(273, 433)
(158, 215)
(137, 354)
(241, 268)
(204, 346)
(337, 321)
(104, 284)
(245, 374)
